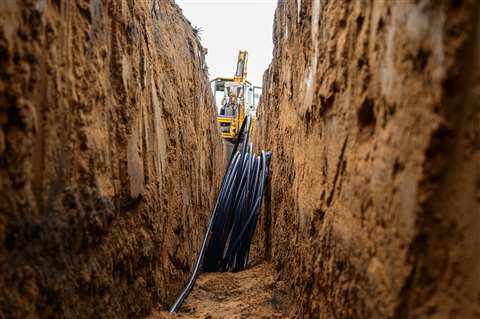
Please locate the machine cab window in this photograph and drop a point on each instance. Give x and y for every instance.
(228, 96)
(257, 94)
(218, 87)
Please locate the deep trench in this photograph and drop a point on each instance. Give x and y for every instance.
(111, 160)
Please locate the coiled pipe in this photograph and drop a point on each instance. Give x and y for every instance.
(226, 243)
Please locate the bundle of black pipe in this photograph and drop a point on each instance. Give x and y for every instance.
(226, 244)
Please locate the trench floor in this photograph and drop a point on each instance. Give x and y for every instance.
(252, 293)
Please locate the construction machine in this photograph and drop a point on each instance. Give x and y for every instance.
(235, 98)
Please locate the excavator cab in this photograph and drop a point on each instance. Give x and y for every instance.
(235, 98)
(232, 98)
(230, 102)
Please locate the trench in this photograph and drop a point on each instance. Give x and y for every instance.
(111, 162)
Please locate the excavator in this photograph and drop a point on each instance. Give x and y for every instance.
(235, 98)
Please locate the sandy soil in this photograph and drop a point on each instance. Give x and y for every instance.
(253, 293)
(371, 110)
(110, 160)
(110, 156)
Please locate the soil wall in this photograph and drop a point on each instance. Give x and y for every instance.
(110, 156)
(372, 111)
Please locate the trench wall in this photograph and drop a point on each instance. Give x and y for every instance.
(371, 109)
(110, 156)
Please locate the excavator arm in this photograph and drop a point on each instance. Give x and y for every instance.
(241, 73)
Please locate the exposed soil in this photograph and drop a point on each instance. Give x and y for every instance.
(110, 156)
(253, 293)
(371, 110)
(110, 160)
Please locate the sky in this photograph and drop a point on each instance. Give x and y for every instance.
(232, 25)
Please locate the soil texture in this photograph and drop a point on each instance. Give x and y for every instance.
(110, 156)
(372, 112)
(252, 293)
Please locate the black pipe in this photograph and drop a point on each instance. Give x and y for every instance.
(226, 243)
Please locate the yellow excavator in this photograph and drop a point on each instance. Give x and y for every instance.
(235, 98)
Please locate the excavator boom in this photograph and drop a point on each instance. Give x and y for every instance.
(241, 73)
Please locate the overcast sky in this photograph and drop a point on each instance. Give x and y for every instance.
(232, 25)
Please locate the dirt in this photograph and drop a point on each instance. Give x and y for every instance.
(253, 293)
(110, 160)
(110, 156)
(371, 110)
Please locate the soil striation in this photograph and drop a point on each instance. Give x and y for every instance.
(372, 112)
(110, 156)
